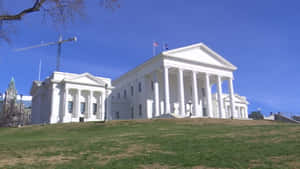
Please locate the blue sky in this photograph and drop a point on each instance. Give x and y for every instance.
(260, 37)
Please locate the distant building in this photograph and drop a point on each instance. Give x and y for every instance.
(297, 118)
(26, 100)
(15, 109)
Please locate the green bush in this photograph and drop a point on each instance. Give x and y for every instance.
(256, 115)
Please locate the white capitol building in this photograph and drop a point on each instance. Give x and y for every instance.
(176, 83)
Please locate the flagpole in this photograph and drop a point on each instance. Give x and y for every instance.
(40, 69)
(153, 50)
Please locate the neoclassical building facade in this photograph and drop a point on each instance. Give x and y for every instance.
(66, 97)
(178, 83)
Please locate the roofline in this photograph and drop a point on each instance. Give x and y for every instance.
(182, 48)
(166, 54)
(79, 74)
(135, 69)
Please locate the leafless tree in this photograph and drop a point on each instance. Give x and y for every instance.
(57, 11)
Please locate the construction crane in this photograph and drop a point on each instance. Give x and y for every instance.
(59, 43)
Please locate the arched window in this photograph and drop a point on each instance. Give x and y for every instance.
(131, 90)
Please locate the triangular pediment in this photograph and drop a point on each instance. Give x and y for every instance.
(86, 78)
(199, 53)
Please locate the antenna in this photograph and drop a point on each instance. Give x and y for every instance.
(40, 69)
(59, 43)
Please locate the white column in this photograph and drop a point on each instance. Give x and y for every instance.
(156, 94)
(220, 101)
(181, 92)
(246, 112)
(90, 104)
(103, 98)
(78, 103)
(99, 109)
(231, 94)
(243, 112)
(195, 93)
(66, 103)
(54, 108)
(208, 95)
(167, 90)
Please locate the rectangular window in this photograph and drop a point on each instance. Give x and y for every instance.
(152, 85)
(125, 94)
(95, 108)
(70, 107)
(131, 90)
(82, 107)
(117, 115)
(119, 95)
(140, 109)
(140, 87)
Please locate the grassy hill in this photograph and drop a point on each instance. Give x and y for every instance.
(180, 143)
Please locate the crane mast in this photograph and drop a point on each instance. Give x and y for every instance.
(59, 44)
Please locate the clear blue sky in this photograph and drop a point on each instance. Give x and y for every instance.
(260, 37)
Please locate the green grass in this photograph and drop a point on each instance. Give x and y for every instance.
(185, 143)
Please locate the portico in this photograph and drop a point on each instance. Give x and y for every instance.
(190, 84)
(83, 103)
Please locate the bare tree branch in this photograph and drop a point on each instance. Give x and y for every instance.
(59, 12)
(36, 7)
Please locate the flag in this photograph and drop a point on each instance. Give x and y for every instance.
(166, 46)
(155, 44)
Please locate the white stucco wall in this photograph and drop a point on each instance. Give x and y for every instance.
(50, 102)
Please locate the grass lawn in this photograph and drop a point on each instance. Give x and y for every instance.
(176, 143)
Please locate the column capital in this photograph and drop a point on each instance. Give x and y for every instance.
(229, 78)
(207, 74)
(166, 66)
(195, 71)
(220, 77)
(180, 69)
(66, 86)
